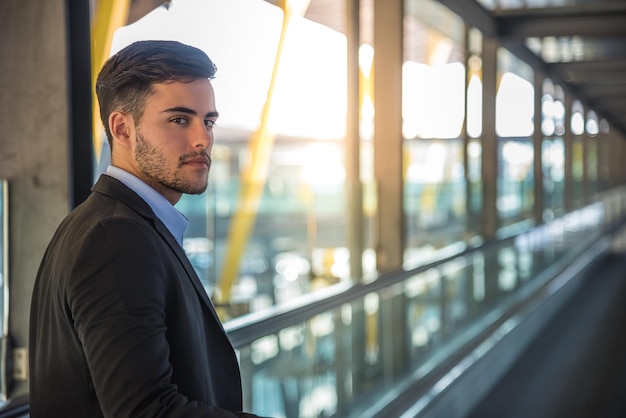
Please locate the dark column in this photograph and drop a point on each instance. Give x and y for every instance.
(489, 223)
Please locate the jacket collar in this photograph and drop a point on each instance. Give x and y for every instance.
(116, 189)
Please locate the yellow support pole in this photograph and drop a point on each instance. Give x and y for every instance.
(110, 15)
(254, 175)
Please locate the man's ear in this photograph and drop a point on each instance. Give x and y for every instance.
(121, 125)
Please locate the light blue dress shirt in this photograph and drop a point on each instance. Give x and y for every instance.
(175, 221)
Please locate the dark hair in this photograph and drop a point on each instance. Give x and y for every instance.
(126, 79)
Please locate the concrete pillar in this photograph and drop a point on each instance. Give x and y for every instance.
(568, 180)
(616, 158)
(388, 57)
(587, 145)
(489, 222)
(618, 150)
(33, 144)
(538, 206)
(355, 237)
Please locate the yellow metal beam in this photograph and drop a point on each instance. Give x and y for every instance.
(253, 177)
(110, 15)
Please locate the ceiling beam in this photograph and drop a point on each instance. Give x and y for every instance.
(613, 66)
(474, 15)
(601, 26)
(601, 20)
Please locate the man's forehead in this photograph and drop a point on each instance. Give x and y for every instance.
(197, 95)
(184, 87)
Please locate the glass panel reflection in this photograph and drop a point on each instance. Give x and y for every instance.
(434, 198)
(515, 180)
(351, 358)
(272, 225)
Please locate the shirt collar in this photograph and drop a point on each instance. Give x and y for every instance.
(173, 219)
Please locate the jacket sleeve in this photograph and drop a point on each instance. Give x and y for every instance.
(117, 294)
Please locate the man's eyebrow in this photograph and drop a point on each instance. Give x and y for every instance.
(183, 109)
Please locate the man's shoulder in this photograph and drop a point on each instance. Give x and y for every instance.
(111, 196)
(110, 203)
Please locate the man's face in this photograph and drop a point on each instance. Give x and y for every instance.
(174, 138)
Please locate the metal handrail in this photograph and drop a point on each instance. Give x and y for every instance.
(245, 329)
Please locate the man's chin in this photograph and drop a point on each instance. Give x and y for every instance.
(188, 188)
(195, 185)
(195, 190)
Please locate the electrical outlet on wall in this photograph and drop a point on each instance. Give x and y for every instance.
(20, 363)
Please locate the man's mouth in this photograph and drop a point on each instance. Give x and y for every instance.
(198, 160)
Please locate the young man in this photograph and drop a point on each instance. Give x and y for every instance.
(120, 323)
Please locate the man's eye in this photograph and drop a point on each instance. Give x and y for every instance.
(209, 123)
(179, 120)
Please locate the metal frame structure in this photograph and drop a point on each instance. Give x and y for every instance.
(598, 77)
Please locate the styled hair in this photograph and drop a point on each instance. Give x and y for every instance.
(125, 81)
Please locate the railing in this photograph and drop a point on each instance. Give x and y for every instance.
(355, 350)
(351, 349)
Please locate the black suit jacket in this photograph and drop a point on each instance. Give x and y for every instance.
(121, 325)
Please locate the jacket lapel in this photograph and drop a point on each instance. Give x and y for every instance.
(184, 260)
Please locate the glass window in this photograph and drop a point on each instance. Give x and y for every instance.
(515, 97)
(553, 163)
(514, 127)
(433, 109)
(592, 126)
(578, 171)
(552, 149)
(515, 182)
(578, 118)
(271, 225)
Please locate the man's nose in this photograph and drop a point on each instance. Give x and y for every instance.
(203, 136)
